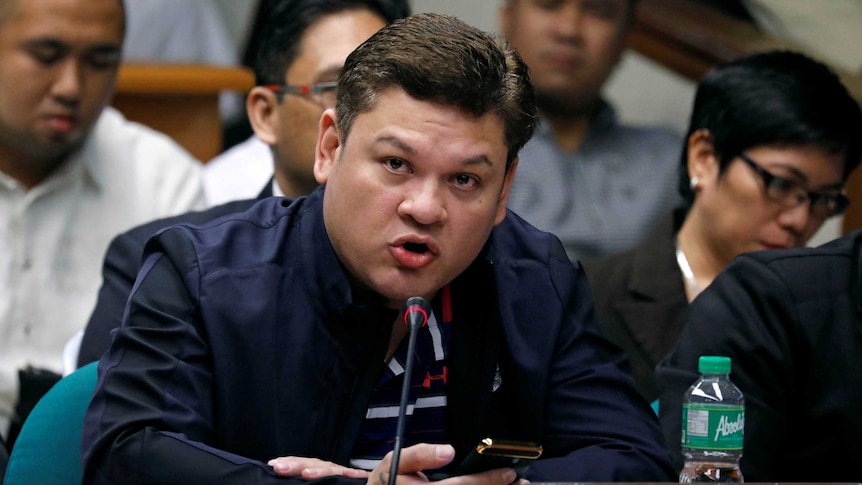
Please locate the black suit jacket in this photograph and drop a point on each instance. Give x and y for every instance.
(641, 302)
(120, 268)
(791, 322)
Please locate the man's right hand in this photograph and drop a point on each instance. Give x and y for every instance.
(414, 459)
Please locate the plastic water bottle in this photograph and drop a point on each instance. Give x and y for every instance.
(713, 422)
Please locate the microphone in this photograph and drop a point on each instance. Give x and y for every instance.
(416, 311)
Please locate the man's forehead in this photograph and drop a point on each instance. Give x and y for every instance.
(47, 17)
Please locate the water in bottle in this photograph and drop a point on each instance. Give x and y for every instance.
(713, 421)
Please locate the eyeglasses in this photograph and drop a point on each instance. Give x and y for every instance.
(792, 194)
(324, 92)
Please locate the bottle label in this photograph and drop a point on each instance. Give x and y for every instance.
(707, 427)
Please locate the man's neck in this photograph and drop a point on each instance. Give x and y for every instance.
(27, 170)
(293, 187)
(569, 133)
(570, 124)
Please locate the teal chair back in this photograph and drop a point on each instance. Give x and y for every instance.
(48, 449)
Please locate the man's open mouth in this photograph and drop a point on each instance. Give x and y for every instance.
(416, 247)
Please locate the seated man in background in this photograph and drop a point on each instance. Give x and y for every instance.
(598, 185)
(73, 174)
(791, 322)
(303, 43)
(267, 344)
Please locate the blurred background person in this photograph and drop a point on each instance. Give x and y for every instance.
(73, 174)
(598, 185)
(772, 140)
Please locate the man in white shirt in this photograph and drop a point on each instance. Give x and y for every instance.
(72, 175)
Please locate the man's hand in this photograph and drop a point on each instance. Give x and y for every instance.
(414, 459)
(312, 468)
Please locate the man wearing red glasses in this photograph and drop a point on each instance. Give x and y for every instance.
(295, 69)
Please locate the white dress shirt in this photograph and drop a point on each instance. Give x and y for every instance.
(238, 173)
(53, 237)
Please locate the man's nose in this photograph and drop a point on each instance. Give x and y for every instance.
(424, 202)
(68, 84)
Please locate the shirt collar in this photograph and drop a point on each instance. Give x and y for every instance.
(605, 120)
(276, 190)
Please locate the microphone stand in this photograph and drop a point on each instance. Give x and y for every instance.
(415, 316)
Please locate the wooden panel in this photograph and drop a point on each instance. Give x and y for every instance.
(180, 100)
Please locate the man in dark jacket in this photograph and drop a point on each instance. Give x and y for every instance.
(791, 322)
(268, 346)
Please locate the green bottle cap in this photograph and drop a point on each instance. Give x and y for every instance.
(710, 364)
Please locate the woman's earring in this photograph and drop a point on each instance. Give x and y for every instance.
(693, 183)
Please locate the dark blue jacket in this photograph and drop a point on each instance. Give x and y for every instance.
(121, 266)
(243, 341)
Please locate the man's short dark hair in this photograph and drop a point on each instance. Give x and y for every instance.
(774, 98)
(441, 59)
(288, 20)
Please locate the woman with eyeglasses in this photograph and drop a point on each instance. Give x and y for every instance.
(771, 142)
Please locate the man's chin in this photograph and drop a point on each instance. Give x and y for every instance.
(562, 103)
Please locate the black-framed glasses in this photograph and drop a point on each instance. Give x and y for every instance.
(324, 92)
(789, 193)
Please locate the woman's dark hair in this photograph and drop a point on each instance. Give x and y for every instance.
(777, 98)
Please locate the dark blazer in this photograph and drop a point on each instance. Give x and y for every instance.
(121, 266)
(641, 302)
(244, 340)
(791, 322)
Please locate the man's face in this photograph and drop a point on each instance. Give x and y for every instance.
(571, 46)
(413, 193)
(325, 46)
(58, 65)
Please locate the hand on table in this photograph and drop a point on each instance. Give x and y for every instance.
(312, 468)
(414, 459)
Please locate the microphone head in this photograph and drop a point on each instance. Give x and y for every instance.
(416, 311)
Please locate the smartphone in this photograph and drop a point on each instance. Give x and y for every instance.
(492, 453)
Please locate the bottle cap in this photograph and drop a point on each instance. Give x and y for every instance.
(710, 364)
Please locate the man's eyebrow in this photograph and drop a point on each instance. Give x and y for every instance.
(45, 42)
(395, 142)
(102, 48)
(399, 144)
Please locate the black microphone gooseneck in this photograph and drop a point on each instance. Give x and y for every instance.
(416, 312)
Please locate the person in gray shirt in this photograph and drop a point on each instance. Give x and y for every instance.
(598, 185)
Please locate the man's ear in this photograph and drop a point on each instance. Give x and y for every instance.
(328, 146)
(261, 104)
(504, 194)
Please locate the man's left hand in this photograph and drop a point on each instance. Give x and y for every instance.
(312, 468)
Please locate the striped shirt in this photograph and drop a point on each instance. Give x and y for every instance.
(426, 406)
